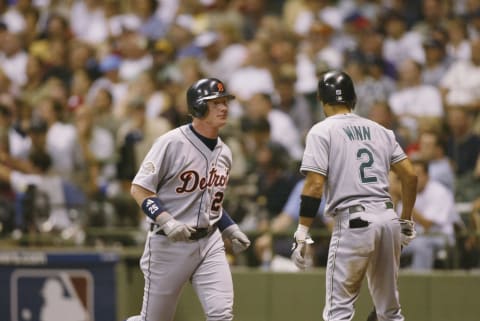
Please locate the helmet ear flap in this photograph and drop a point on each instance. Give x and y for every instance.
(199, 108)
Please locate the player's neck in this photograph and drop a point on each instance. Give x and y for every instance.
(205, 130)
(337, 110)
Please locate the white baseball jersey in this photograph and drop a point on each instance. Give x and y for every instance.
(355, 151)
(188, 178)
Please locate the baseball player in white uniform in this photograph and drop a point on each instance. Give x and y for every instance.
(180, 187)
(347, 160)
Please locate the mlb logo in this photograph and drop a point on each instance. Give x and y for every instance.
(51, 295)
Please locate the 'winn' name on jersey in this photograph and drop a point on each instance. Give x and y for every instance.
(357, 132)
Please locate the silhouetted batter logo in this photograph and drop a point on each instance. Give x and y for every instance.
(51, 295)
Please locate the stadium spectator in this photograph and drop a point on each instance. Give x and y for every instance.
(136, 58)
(275, 178)
(400, 43)
(255, 76)
(414, 101)
(218, 61)
(371, 83)
(52, 214)
(78, 90)
(88, 21)
(434, 16)
(13, 59)
(470, 252)
(458, 46)
(463, 148)
(288, 101)
(14, 16)
(163, 62)
(16, 143)
(182, 35)
(156, 101)
(272, 248)
(463, 145)
(150, 24)
(282, 127)
(135, 137)
(437, 62)
(460, 83)
(432, 148)
(98, 150)
(434, 214)
(109, 67)
(62, 140)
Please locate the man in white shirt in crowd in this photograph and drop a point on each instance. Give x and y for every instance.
(434, 213)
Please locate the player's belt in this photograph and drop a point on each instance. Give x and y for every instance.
(200, 232)
(360, 208)
(356, 208)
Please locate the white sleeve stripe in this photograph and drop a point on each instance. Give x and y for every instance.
(304, 169)
(399, 158)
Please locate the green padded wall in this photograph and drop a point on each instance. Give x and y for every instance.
(264, 296)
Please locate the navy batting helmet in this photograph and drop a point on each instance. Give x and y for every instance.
(203, 90)
(336, 87)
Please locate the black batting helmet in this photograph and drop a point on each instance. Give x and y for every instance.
(336, 87)
(203, 90)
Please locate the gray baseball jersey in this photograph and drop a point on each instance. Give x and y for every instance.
(188, 178)
(355, 151)
(355, 155)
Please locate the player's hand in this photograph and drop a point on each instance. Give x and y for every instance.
(408, 232)
(299, 247)
(177, 231)
(240, 241)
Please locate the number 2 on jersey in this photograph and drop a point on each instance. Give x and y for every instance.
(217, 201)
(366, 164)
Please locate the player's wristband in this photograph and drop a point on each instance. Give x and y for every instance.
(152, 207)
(309, 206)
(225, 221)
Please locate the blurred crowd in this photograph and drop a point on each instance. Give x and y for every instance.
(87, 85)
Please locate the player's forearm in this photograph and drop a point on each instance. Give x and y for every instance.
(313, 186)
(408, 178)
(311, 198)
(139, 193)
(409, 195)
(306, 221)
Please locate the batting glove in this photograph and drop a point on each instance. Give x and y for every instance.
(408, 232)
(301, 240)
(175, 231)
(240, 241)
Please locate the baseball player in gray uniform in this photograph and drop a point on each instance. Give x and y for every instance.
(347, 160)
(180, 187)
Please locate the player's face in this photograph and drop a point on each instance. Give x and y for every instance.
(217, 112)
